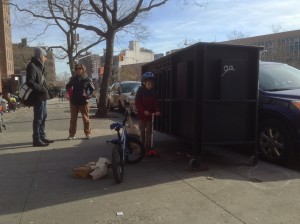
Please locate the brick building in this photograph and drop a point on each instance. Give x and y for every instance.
(279, 47)
(131, 72)
(92, 63)
(6, 53)
(22, 55)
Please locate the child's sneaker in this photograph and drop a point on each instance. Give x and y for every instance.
(71, 137)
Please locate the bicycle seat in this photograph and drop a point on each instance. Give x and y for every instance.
(115, 126)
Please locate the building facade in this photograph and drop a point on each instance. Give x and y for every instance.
(132, 72)
(135, 54)
(6, 51)
(92, 62)
(22, 54)
(114, 69)
(278, 47)
(127, 65)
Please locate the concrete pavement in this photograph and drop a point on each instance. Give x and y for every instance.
(36, 185)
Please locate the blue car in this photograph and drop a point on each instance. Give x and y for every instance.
(279, 111)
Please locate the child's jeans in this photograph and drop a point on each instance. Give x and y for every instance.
(146, 130)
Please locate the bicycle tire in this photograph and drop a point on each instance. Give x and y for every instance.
(136, 150)
(117, 164)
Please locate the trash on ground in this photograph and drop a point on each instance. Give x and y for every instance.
(94, 170)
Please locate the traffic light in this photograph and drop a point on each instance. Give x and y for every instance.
(121, 57)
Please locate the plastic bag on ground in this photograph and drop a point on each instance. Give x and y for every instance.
(102, 168)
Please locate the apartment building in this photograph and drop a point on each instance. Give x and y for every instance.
(131, 60)
(279, 47)
(6, 53)
(92, 63)
(23, 53)
(135, 54)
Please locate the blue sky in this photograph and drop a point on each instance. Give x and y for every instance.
(172, 23)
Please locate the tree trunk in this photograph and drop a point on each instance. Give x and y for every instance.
(102, 107)
(71, 61)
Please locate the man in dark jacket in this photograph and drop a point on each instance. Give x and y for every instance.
(35, 79)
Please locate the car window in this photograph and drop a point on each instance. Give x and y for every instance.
(114, 88)
(128, 87)
(276, 77)
(134, 90)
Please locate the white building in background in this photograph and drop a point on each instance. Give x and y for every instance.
(127, 64)
(135, 54)
(132, 56)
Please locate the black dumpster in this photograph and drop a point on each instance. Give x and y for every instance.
(208, 94)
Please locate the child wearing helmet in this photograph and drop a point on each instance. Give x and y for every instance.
(147, 104)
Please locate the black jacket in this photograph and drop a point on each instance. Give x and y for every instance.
(35, 79)
(82, 89)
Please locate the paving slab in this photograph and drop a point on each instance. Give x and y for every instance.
(37, 186)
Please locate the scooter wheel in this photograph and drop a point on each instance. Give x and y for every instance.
(194, 164)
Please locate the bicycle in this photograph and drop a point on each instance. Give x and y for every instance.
(128, 148)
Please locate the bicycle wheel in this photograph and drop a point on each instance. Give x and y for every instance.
(136, 150)
(117, 164)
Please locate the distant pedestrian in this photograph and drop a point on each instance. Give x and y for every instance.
(3, 103)
(147, 104)
(35, 79)
(12, 102)
(80, 88)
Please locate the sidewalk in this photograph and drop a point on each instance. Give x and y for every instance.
(37, 187)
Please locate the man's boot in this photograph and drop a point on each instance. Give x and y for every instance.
(39, 143)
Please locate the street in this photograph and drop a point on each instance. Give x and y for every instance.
(37, 186)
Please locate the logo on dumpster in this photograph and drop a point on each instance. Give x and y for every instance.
(227, 68)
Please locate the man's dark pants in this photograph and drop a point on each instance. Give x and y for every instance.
(40, 115)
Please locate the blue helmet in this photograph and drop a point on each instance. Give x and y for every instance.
(148, 76)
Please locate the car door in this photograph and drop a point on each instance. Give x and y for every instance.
(110, 96)
(115, 95)
(131, 99)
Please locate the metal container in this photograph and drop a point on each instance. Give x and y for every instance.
(208, 94)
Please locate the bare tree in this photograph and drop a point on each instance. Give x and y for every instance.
(276, 28)
(64, 14)
(235, 34)
(187, 42)
(104, 17)
(279, 50)
(62, 79)
(114, 15)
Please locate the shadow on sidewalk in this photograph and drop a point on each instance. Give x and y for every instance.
(33, 177)
(42, 177)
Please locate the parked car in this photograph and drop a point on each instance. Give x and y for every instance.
(279, 111)
(131, 99)
(119, 92)
(98, 95)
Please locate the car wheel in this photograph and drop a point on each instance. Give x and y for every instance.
(109, 106)
(274, 141)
